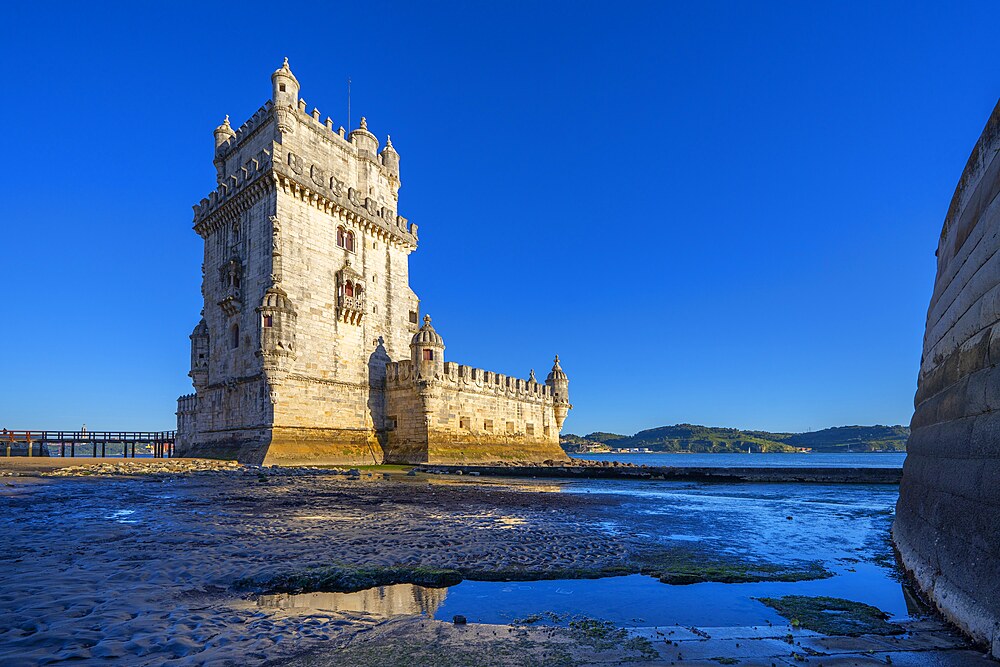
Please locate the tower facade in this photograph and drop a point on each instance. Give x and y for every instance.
(306, 293)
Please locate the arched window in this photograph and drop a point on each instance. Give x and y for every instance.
(349, 289)
(357, 290)
(350, 241)
(268, 321)
(234, 341)
(340, 237)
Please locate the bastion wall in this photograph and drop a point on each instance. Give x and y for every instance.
(947, 527)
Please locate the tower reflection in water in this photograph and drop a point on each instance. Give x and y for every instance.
(396, 600)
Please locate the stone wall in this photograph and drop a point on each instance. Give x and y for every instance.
(947, 527)
(468, 415)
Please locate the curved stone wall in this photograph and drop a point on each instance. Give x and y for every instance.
(947, 527)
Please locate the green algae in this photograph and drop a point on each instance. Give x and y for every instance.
(406, 653)
(670, 566)
(833, 616)
(348, 579)
(606, 636)
(685, 566)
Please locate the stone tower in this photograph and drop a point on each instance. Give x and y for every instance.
(307, 302)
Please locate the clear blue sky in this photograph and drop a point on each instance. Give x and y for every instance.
(719, 213)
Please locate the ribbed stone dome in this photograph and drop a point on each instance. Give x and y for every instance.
(201, 329)
(427, 335)
(556, 373)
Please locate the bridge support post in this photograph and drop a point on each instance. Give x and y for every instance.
(72, 449)
(29, 445)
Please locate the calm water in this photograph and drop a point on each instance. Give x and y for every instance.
(843, 526)
(887, 460)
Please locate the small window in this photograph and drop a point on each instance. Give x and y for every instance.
(510, 427)
(391, 423)
(281, 87)
(413, 317)
(488, 425)
(349, 241)
(268, 321)
(340, 237)
(428, 355)
(349, 289)
(529, 429)
(465, 422)
(234, 341)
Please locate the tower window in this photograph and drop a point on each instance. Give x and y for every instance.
(413, 317)
(281, 87)
(345, 239)
(428, 355)
(268, 321)
(234, 341)
(465, 423)
(510, 427)
(488, 425)
(349, 289)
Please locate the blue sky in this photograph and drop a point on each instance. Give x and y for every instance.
(715, 212)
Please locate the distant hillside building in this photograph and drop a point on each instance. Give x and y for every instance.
(310, 347)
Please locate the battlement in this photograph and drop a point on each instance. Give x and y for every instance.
(400, 374)
(311, 181)
(187, 403)
(249, 172)
(251, 125)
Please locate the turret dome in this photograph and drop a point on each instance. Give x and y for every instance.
(284, 71)
(557, 373)
(201, 329)
(427, 335)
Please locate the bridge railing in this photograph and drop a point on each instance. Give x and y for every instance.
(159, 443)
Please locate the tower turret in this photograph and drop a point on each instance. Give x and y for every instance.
(390, 161)
(427, 351)
(285, 87)
(199, 355)
(223, 134)
(559, 383)
(364, 140)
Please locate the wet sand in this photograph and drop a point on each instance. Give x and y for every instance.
(141, 569)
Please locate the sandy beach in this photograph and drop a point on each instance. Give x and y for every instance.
(146, 568)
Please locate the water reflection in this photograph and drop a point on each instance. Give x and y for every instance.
(384, 601)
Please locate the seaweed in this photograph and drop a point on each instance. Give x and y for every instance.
(833, 616)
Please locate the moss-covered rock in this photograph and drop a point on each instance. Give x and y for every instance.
(833, 616)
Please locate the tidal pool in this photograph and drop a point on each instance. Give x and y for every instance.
(843, 527)
(629, 601)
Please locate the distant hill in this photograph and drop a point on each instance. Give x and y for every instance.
(711, 439)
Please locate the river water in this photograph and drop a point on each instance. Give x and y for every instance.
(866, 460)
